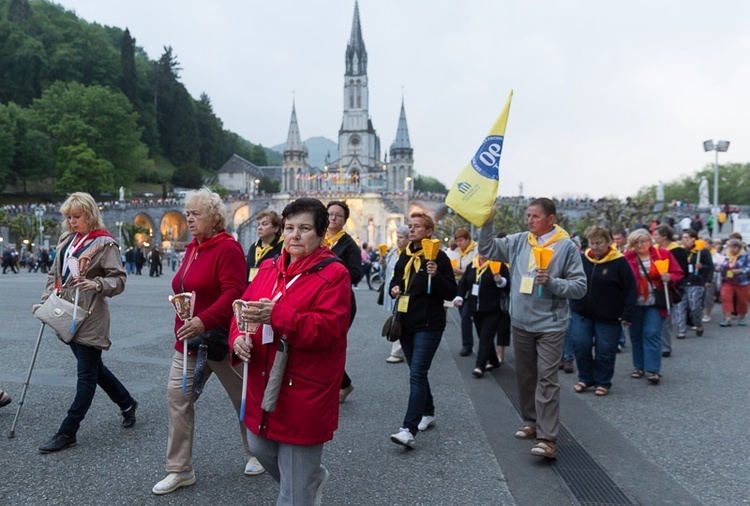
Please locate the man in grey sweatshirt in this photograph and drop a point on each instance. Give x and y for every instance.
(539, 315)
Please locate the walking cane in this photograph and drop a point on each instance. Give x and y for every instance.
(12, 433)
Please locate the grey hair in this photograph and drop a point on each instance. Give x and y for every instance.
(402, 229)
(212, 205)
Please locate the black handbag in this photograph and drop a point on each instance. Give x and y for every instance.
(381, 294)
(392, 326)
(660, 294)
(216, 340)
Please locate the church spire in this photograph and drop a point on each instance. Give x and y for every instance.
(293, 140)
(356, 55)
(402, 132)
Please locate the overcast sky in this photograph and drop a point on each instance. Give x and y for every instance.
(608, 96)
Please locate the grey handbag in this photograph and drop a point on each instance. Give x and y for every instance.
(58, 314)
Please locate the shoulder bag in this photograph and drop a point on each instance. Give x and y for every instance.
(58, 314)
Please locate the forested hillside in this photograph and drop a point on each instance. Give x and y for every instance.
(83, 107)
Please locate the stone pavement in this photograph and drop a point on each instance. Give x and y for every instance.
(682, 442)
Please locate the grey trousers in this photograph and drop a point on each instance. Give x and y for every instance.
(538, 356)
(181, 409)
(296, 468)
(692, 302)
(667, 331)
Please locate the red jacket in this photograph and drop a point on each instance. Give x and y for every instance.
(216, 274)
(656, 253)
(312, 316)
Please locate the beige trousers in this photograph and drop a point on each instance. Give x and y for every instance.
(537, 357)
(182, 411)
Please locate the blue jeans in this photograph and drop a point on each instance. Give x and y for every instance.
(645, 336)
(92, 372)
(419, 349)
(569, 352)
(590, 335)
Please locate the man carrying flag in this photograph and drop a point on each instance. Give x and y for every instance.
(539, 314)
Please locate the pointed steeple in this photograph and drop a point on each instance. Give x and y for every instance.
(293, 140)
(356, 55)
(402, 133)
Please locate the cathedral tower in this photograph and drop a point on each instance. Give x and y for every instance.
(294, 165)
(402, 157)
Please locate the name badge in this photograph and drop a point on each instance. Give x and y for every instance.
(690, 268)
(403, 304)
(475, 290)
(527, 285)
(267, 334)
(253, 273)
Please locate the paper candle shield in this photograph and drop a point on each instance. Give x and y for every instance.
(73, 267)
(83, 265)
(700, 244)
(662, 266)
(242, 325)
(454, 262)
(430, 248)
(382, 249)
(543, 256)
(183, 304)
(495, 267)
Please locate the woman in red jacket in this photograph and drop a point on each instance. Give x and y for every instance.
(296, 358)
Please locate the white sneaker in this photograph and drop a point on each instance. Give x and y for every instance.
(394, 360)
(706, 319)
(426, 423)
(403, 437)
(173, 481)
(253, 467)
(319, 490)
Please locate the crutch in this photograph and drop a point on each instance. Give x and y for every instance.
(12, 433)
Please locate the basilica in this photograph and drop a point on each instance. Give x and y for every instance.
(361, 166)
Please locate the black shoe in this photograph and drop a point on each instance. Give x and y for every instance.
(568, 367)
(699, 331)
(128, 416)
(57, 443)
(666, 354)
(465, 351)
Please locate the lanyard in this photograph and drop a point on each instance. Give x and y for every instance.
(278, 295)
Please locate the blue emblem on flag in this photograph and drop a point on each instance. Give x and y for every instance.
(487, 159)
(463, 187)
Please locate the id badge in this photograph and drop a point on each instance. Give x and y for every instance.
(527, 285)
(475, 290)
(690, 268)
(253, 273)
(267, 334)
(403, 304)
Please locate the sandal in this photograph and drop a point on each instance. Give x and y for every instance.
(4, 399)
(638, 373)
(725, 323)
(580, 387)
(654, 377)
(544, 448)
(741, 323)
(601, 391)
(525, 432)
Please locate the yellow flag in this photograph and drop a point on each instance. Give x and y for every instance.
(475, 190)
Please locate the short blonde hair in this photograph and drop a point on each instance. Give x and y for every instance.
(637, 235)
(81, 202)
(210, 202)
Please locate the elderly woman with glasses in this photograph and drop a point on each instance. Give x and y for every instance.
(648, 319)
(596, 318)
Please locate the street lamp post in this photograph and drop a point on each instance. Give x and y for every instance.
(39, 213)
(720, 146)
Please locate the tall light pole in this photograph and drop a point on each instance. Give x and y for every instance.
(720, 146)
(39, 213)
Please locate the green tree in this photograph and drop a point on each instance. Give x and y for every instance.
(258, 156)
(129, 78)
(188, 177)
(81, 170)
(734, 185)
(129, 232)
(268, 186)
(613, 214)
(429, 184)
(210, 133)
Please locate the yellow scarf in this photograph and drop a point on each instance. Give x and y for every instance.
(331, 241)
(260, 251)
(470, 247)
(733, 258)
(613, 254)
(480, 269)
(672, 246)
(559, 235)
(414, 260)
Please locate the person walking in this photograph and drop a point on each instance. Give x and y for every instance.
(539, 315)
(214, 268)
(663, 237)
(648, 318)
(347, 250)
(467, 251)
(84, 236)
(420, 288)
(698, 275)
(269, 242)
(735, 283)
(597, 318)
(402, 240)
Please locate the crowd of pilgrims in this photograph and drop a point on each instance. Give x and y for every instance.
(590, 299)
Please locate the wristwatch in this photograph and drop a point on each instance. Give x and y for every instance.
(98, 288)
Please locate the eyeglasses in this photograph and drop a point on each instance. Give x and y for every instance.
(339, 216)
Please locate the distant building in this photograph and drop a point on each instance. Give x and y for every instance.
(359, 167)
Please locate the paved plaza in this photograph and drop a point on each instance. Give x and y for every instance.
(681, 442)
